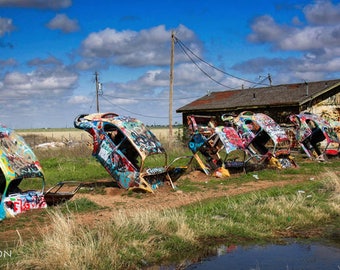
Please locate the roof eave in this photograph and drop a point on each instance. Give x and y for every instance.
(311, 97)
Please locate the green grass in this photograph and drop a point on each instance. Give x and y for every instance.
(70, 164)
(256, 215)
(73, 169)
(78, 164)
(134, 240)
(81, 205)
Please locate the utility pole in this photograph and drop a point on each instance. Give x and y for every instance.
(171, 82)
(97, 90)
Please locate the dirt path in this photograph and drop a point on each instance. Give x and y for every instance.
(165, 197)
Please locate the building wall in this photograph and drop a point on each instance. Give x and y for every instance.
(329, 109)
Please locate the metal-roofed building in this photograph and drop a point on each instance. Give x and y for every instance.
(277, 101)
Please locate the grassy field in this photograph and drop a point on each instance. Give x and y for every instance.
(140, 239)
(309, 208)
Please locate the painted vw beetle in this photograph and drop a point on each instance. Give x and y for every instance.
(312, 130)
(123, 145)
(217, 148)
(265, 140)
(17, 163)
(20, 167)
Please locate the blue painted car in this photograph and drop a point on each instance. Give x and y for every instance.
(124, 145)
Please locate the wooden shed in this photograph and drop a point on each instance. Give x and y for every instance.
(278, 101)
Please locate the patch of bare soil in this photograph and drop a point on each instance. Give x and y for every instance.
(165, 197)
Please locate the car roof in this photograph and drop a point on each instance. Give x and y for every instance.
(137, 133)
(17, 158)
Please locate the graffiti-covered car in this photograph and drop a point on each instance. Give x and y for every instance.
(19, 164)
(124, 145)
(311, 131)
(267, 142)
(217, 148)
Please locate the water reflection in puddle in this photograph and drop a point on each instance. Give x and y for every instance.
(286, 257)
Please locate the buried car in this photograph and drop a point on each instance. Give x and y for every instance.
(315, 135)
(128, 151)
(19, 167)
(216, 148)
(266, 141)
(249, 141)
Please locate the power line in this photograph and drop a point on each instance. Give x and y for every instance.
(185, 49)
(124, 109)
(148, 99)
(204, 72)
(92, 102)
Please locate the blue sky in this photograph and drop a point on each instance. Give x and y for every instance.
(50, 50)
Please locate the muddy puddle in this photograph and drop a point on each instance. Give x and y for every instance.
(291, 256)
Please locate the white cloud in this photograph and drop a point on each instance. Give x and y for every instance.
(301, 37)
(38, 97)
(63, 23)
(322, 12)
(310, 38)
(47, 82)
(317, 42)
(107, 42)
(265, 29)
(6, 26)
(155, 78)
(79, 100)
(135, 49)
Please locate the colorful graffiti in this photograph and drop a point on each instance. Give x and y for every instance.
(142, 137)
(17, 159)
(19, 203)
(230, 138)
(122, 144)
(18, 163)
(256, 135)
(266, 132)
(211, 142)
(109, 155)
(311, 130)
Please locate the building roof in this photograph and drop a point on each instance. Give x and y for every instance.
(278, 95)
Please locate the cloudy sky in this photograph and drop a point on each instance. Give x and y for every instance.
(50, 51)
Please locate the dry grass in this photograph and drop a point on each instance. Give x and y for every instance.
(34, 138)
(130, 238)
(332, 184)
(146, 221)
(68, 245)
